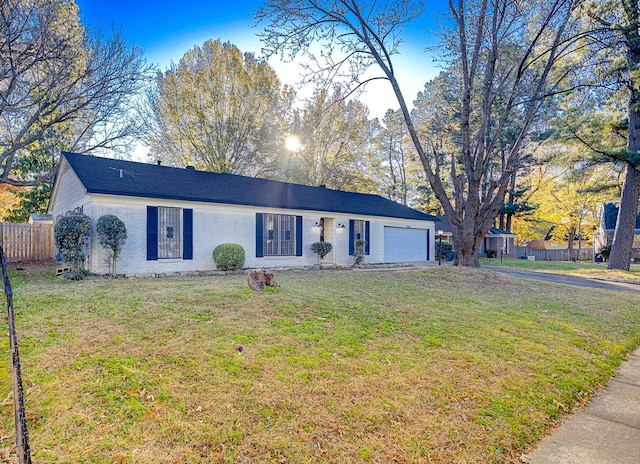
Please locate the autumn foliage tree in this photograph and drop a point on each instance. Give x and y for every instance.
(569, 203)
(219, 110)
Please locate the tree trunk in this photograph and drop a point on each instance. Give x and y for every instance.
(571, 236)
(467, 244)
(467, 258)
(621, 247)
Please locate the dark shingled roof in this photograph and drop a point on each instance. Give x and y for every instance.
(127, 178)
(611, 216)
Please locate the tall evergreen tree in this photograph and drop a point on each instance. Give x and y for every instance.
(616, 34)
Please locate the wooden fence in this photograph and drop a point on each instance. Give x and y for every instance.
(26, 242)
(584, 254)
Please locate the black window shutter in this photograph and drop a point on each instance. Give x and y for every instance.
(428, 244)
(187, 235)
(366, 237)
(351, 237)
(259, 235)
(298, 235)
(152, 233)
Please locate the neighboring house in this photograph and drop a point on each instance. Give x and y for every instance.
(175, 217)
(607, 226)
(40, 219)
(495, 240)
(542, 244)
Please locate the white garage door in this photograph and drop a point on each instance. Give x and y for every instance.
(405, 245)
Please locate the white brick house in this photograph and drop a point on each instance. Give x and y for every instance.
(175, 218)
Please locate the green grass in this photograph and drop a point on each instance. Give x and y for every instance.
(546, 265)
(584, 269)
(441, 364)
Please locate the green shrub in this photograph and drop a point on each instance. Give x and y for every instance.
(492, 253)
(229, 257)
(605, 251)
(112, 234)
(447, 250)
(75, 276)
(322, 249)
(71, 234)
(358, 251)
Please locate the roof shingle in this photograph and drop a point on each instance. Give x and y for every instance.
(128, 178)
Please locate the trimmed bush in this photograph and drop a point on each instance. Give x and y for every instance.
(322, 249)
(229, 256)
(71, 234)
(112, 234)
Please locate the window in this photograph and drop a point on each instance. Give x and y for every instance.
(358, 230)
(169, 233)
(279, 235)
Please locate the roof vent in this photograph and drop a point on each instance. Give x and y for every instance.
(159, 162)
(323, 186)
(192, 168)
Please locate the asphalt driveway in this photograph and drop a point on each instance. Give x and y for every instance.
(567, 279)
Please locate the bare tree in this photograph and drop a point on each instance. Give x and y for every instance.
(61, 86)
(505, 55)
(391, 158)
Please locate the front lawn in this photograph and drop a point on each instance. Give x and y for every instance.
(434, 365)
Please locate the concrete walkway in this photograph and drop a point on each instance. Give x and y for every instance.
(607, 431)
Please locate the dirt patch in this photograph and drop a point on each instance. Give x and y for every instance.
(32, 265)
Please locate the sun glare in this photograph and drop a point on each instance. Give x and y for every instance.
(293, 143)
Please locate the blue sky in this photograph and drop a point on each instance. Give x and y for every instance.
(167, 29)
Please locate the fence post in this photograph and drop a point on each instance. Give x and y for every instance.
(32, 238)
(22, 434)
